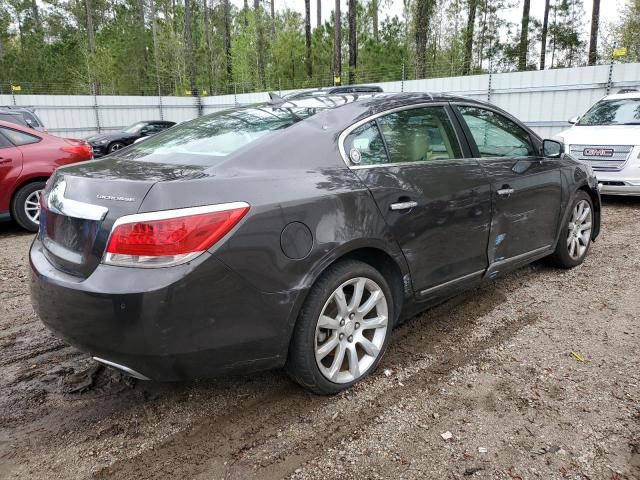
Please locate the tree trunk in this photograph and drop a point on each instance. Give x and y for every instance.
(468, 37)
(36, 15)
(374, 18)
(353, 42)
(319, 13)
(91, 34)
(260, 42)
(307, 36)
(207, 42)
(273, 18)
(245, 9)
(154, 38)
(227, 41)
(188, 39)
(524, 36)
(337, 46)
(545, 28)
(424, 8)
(595, 23)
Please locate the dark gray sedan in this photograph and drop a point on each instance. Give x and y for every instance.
(298, 233)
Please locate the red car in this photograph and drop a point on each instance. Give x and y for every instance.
(27, 160)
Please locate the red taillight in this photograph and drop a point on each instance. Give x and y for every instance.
(170, 237)
(80, 149)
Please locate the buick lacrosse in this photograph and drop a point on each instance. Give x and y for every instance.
(298, 233)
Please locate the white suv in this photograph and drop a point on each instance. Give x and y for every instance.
(607, 137)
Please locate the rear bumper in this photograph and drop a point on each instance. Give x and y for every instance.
(191, 321)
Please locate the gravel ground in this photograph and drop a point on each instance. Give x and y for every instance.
(483, 386)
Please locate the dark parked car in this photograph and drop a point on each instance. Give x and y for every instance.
(27, 159)
(105, 143)
(299, 235)
(27, 116)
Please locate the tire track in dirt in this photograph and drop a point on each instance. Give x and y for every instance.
(220, 443)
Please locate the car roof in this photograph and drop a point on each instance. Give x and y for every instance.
(623, 96)
(22, 128)
(374, 101)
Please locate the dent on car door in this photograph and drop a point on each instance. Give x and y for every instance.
(435, 199)
(526, 188)
(10, 169)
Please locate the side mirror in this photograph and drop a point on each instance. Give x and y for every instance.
(551, 149)
(573, 120)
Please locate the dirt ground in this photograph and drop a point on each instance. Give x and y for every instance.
(493, 367)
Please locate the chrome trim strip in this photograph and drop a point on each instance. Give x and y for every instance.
(521, 256)
(178, 212)
(351, 128)
(126, 370)
(469, 276)
(57, 203)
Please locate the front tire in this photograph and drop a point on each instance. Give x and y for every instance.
(343, 328)
(115, 146)
(25, 207)
(575, 239)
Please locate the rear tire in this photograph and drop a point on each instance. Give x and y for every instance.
(575, 237)
(25, 208)
(340, 338)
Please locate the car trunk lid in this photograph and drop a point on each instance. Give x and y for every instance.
(83, 201)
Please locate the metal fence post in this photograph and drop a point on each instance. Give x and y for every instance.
(235, 94)
(95, 107)
(489, 87)
(160, 103)
(402, 82)
(610, 77)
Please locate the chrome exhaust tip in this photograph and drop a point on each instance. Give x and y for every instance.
(127, 370)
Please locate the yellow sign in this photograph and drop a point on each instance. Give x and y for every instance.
(187, 92)
(336, 80)
(619, 52)
(16, 88)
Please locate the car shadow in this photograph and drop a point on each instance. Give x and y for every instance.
(621, 201)
(11, 228)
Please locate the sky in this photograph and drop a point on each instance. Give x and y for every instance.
(609, 9)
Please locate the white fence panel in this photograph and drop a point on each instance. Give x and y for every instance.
(544, 100)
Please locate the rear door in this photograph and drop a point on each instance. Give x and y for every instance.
(526, 187)
(10, 169)
(435, 199)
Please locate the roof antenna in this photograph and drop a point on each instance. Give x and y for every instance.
(275, 99)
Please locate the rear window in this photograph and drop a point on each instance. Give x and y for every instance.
(207, 139)
(13, 118)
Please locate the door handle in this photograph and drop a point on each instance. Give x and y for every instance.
(505, 192)
(5, 160)
(403, 205)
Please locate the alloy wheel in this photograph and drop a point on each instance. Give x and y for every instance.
(579, 230)
(351, 330)
(32, 206)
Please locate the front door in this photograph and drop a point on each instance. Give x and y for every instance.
(526, 187)
(435, 199)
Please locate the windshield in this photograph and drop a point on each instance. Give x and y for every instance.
(204, 140)
(624, 111)
(135, 127)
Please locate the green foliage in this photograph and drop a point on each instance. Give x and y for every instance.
(47, 49)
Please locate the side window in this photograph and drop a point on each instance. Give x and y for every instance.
(19, 138)
(496, 135)
(4, 143)
(364, 146)
(419, 135)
